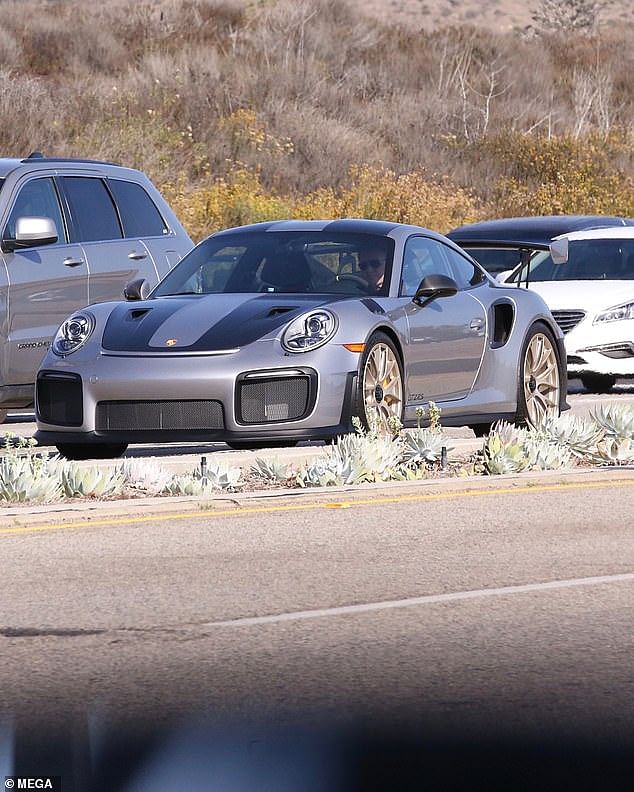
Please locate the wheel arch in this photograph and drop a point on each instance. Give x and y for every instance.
(393, 336)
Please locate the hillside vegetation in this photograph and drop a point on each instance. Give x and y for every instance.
(242, 111)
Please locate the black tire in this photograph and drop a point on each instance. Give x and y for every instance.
(480, 429)
(254, 445)
(359, 408)
(522, 416)
(598, 383)
(80, 451)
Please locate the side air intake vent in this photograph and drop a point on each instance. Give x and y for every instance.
(503, 315)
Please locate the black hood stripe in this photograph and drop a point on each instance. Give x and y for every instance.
(130, 328)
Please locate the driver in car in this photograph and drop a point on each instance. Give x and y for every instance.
(372, 268)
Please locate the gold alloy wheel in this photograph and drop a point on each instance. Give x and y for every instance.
(541, 380)
(382, 384)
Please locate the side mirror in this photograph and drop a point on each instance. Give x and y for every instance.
(31, 232)
(559, 250)
(433, 286)
(138, 289)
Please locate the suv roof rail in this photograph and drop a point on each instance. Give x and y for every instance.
(41, 158)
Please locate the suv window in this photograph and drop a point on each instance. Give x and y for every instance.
(422, 257)
(93, 211)
(139, 215)
(466, 273)
(38, 198)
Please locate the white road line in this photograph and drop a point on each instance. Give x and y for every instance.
(431, 599)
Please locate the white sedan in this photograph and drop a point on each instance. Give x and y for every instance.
(587, 281)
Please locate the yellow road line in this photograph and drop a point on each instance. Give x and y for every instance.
(297, 507)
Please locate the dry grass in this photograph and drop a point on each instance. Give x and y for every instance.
(193, 91)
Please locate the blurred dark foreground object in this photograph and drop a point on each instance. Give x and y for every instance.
(257, 757)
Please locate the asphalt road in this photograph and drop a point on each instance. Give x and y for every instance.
(144, 620)
(501, 620)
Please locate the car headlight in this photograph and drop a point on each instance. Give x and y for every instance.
(73, 333)
(309, 331)
(625, 311)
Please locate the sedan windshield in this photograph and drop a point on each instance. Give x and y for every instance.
(588, 259)
(289, 262)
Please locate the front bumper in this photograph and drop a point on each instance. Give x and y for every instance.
(604, 348)
(135, 399)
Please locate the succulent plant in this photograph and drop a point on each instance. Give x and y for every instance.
(188, 484)
(510, 433)
(376, 454)
(21, 481)
(90, 482)
(543, 454)
(617, 420)
(503, 452)
(434, 417)
(146, 475)
(333, 470)
(409, 473)
(221, 476)
(580, 435)
(423, 445)
(271, 469)
(616, 451)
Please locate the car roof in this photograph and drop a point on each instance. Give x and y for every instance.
(350, 226)
(600, 233)
(528, 230)
(9, 164)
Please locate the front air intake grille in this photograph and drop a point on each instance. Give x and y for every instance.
(617, 351)
(60, 399)
(272, 399)
(147, 415)
(568, 320)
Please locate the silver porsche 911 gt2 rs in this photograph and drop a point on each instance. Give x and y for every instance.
(277, 332)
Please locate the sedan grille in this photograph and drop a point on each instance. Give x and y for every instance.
(568, 320)
(148, 415)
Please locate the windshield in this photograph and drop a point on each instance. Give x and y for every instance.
(588, 259)
(286, 262)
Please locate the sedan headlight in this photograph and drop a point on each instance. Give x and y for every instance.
(309, 331)
(625, 311)
(73, 333)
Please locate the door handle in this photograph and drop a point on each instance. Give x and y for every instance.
(73, 262)
(134, 256)
(476, 324)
